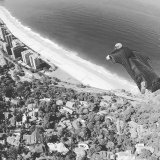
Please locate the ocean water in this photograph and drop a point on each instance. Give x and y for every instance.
(90, 28)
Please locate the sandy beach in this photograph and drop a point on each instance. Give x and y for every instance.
(82, 70)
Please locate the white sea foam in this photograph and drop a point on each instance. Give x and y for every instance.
(84, 71)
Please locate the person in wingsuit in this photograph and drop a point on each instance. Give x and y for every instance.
(137, 66)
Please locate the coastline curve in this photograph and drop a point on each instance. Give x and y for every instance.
(82, 70)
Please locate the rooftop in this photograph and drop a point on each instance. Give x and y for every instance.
(17, 42)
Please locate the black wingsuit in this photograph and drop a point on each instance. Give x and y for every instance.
(138, 67)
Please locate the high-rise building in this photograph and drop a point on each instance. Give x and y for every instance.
(3, 33)
(9, 40)
(6, 48)
(35, 61)
(25, 56)
(16, 51)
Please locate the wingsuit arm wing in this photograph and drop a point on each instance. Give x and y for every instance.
(144, 59)
(116, 57)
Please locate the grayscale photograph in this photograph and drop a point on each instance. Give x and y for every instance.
(79, 79)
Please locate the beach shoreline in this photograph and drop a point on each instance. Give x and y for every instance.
(78, 68)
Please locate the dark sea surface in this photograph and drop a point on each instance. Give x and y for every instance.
(92, 27)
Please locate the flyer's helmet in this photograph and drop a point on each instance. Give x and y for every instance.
(118, 45)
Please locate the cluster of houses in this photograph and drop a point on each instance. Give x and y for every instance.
(17, 50)
(34, 141)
